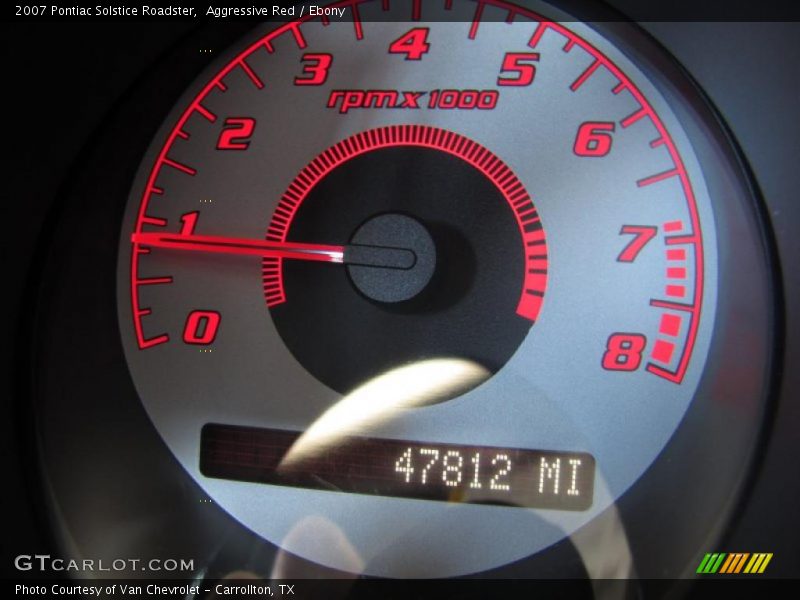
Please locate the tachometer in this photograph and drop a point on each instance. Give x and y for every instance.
(440, 280)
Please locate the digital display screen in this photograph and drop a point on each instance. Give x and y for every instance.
(402, 468)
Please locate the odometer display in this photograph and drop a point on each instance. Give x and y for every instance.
(403, 468)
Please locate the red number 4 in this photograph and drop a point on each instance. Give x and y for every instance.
(413, 44)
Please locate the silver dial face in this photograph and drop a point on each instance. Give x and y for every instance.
(561, 297)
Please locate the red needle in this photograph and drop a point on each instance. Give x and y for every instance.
(354, 254)
(208, 243)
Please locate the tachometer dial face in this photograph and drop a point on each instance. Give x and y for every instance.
(473, 260)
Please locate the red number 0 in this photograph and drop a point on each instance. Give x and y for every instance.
(624, 351)
(316, 69)
(201, 327)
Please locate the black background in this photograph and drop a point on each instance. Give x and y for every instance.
(61, 80)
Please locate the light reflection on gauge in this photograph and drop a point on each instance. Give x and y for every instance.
(332, 203)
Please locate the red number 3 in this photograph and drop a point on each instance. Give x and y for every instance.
(316, 69)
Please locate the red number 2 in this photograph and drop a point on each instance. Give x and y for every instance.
(236, 133)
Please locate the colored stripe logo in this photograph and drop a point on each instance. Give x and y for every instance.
(734, 563)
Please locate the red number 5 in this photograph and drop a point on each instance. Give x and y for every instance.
(513, 62)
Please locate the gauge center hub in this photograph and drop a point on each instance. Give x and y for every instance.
(448, 264)
(398, 282)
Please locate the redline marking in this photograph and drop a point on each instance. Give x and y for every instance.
(673, 226)
(670, 325)
(657, 177)
(663, 351)
(415, 10)
(676, 273)
(682, 239)
(676, 254)
(675, 291)
(585, 75)
(673, 305)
